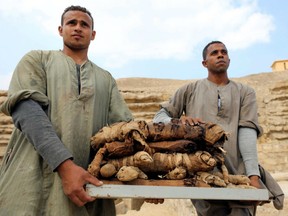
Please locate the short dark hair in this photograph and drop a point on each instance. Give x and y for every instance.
(77, 8)
(204, 52)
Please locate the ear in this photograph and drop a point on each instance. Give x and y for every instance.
(60, 30)
(204, 63)
(93, 35)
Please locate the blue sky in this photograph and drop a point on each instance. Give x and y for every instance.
(152, 38)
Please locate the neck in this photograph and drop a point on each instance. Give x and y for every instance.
(79, 56)
(219, 79)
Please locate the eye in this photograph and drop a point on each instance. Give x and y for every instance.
(84, 24)
(214, 52)
(71, 22)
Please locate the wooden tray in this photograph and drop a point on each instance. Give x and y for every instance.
(165, 189)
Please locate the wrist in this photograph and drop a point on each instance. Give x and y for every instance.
(64, 166)
(254, 177)
(255, 181)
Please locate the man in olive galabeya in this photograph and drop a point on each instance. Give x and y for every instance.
(58, 100)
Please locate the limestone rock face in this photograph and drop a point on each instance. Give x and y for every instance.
(144, 97)
(6, 127)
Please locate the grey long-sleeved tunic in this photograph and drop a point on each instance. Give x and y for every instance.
(231, 106)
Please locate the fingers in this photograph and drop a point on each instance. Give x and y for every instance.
(154, 201)
(250, 203)
(80, 198)
(73, 179)
(191, 121)
(93, 180)
(188, 121)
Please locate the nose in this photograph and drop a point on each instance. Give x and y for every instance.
(220, 55)
(78, 27)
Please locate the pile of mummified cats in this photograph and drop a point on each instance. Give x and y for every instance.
(175, 151)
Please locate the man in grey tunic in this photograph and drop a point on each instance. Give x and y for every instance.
(231, 105)
(58, 100)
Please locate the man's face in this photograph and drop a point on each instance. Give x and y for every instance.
(217, 59)
(77, 30)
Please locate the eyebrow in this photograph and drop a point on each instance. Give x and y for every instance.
(81, 21)
(216, 50)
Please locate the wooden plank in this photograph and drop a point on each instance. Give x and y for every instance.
(175, 192)
(149, 182)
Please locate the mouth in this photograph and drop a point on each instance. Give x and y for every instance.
(77, 36)
(221, 62)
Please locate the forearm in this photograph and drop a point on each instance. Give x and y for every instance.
(162, 116)
(247, 139)
(30, 118)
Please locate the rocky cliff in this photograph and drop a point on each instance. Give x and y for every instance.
(6, 127)
(144, 96)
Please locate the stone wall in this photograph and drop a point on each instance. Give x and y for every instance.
(273, 147)
(144, 97)
(6, 127)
